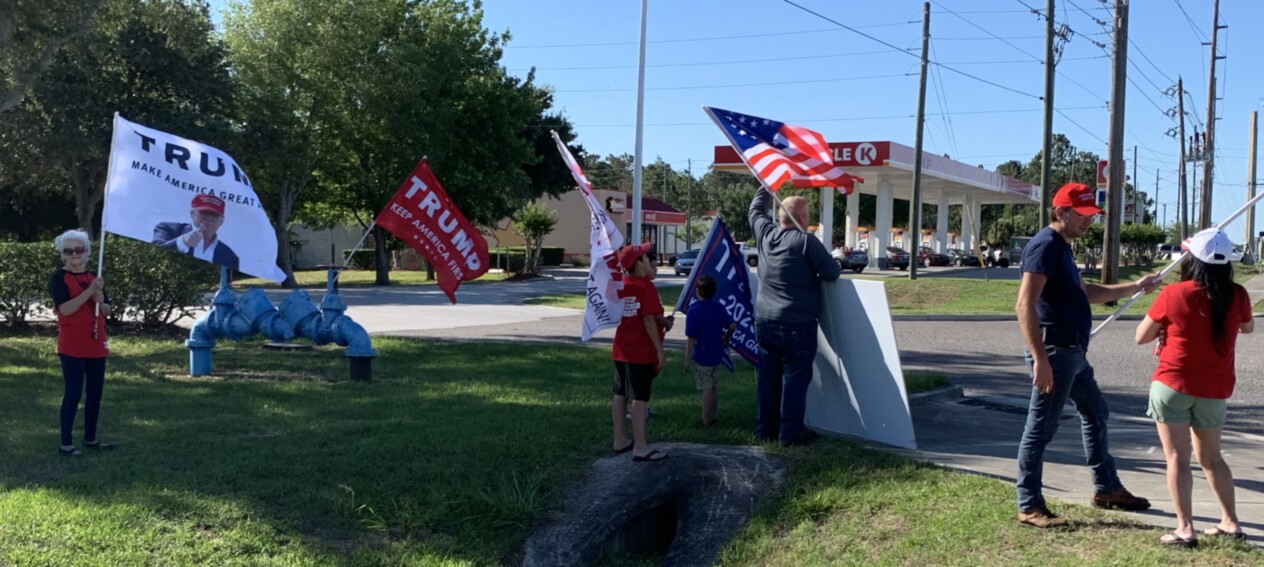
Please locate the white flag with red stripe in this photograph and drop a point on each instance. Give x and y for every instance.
(778, 152)
(603, 308)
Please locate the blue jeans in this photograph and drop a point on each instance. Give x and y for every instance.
(1073, 379)
(786, 352)
(77, 373)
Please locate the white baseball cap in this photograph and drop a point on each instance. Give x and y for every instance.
(1209, 245)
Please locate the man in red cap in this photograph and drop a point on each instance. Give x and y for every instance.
(199, 239)
(1055, 320)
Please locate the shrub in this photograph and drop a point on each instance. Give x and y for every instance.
(361, 258)
(24, 272)
(508, 259)
(582, 260)
(552, 255)
(153, 285)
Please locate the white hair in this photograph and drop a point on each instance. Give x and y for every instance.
(73, 234)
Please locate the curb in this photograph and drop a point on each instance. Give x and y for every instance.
(1013, 318)
(947, 393)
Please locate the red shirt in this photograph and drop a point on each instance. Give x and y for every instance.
(631, 342)
(74, 331)
(1189, 362)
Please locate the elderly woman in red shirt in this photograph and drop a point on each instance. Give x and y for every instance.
(1197, 322)
(81, 305)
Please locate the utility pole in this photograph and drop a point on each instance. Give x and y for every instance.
(689, 205)
(1250, 184)
(1182, 196)
(1046, 164)
(1204, 212)
(1156, 197)
(915, 206)
(1115, 189)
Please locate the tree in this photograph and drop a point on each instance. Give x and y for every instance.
(692, 233)
(425, 77)
(533, 222)
(31, 34)
(154, 62)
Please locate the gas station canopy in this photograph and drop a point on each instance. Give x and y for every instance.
(893, 163)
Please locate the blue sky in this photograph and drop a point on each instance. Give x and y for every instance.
(771, 59)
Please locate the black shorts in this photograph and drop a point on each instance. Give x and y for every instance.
(634, 376)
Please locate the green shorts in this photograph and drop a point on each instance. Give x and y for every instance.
(1170, 406)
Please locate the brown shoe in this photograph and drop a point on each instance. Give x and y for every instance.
(1041, 518)
(1121, 500)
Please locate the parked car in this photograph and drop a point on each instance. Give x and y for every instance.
(1167, 251)
(685, 261)
(897, 258)
(853, 259)
(928, 257)
(962, 258)
(749, 253)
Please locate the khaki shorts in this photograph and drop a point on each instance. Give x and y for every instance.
(706, 377)
(1170, 406)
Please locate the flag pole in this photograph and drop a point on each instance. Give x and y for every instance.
(1177, 261)
(363, 237)
(762, 183)
(105, 206)
(637, 174)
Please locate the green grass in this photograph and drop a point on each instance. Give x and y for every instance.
(451, 456)
(920, 381)
(359, 278)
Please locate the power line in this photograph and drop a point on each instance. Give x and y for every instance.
(739, 85)
(1190, 21)
(1077, 125)
(710, 63)
(1020, 50)
(957, 71)
(696, 39)
(843, 119)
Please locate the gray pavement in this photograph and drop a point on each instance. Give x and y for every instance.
(983, 356)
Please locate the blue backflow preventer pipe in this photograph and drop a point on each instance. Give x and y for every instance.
(236, 318)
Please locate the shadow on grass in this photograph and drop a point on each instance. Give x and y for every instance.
(454, 450)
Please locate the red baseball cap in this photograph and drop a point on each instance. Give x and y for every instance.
(1079, 197)
(204, 202)
(628, 254)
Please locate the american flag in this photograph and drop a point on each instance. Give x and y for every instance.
(778, 152)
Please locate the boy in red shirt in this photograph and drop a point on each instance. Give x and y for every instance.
(638, 350)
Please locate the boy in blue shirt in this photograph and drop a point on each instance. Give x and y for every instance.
(708, 327)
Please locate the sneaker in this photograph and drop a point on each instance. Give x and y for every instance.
(1041, 518)
(1121, 500)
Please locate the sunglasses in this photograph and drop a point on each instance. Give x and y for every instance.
(73, 251)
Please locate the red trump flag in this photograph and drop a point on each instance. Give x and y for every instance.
(422, 215)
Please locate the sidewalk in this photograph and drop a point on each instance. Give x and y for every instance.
(980, 435)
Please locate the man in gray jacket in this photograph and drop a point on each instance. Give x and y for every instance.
(792, 265)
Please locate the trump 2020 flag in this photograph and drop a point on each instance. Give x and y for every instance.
(425, 218)
(778, 152)
(189, 198)
(603, 308)
(721, 259)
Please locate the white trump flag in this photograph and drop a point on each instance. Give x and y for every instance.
(189, 198)
(603, 308)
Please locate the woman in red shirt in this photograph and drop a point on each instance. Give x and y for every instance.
(81, 305)
(1197, 322)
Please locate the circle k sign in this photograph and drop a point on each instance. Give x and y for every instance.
(866, 153)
